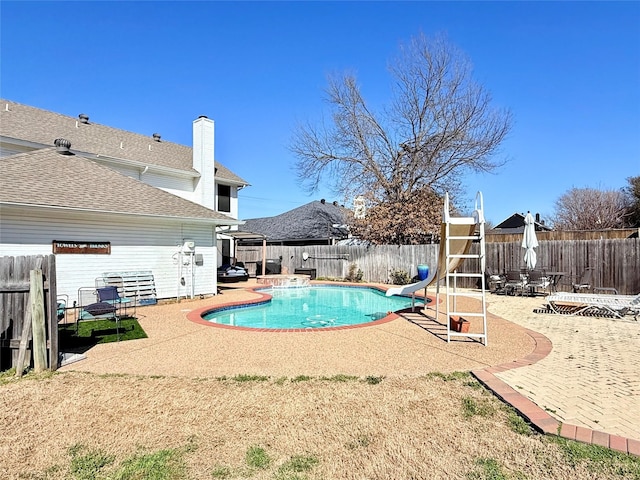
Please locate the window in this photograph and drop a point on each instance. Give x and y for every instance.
(224, 198)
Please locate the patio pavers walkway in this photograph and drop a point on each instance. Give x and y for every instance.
(587, 378)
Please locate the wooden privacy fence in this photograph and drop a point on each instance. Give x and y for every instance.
(616, 261)
(610, 233)
(28, 312)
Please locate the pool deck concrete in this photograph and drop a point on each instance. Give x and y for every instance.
(573, 376)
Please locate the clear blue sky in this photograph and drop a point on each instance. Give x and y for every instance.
(569, 72)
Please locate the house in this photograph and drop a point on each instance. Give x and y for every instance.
(515, 224)
(105, 200)
(315, 223)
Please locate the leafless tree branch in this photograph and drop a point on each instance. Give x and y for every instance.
(590, 209)
(440, 124)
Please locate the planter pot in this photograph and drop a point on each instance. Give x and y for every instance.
(458, 324)
(423, 272)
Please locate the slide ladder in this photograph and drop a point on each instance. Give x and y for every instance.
(457, 231)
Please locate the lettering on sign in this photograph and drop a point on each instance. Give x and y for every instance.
(95, 248)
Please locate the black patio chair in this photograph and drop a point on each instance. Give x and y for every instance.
(514, 282)
(537, 280)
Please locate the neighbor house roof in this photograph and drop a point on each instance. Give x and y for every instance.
(312, 221)
(41, 127)
(46, 178)
(515, 224)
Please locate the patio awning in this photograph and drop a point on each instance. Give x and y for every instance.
(242, 235)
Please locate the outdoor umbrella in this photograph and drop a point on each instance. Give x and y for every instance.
(529, 241)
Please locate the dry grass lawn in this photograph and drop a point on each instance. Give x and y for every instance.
(193, 401)
(351, 428)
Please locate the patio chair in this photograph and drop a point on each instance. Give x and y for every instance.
(593, 304)
(537, 280)
(494, 280)
(62, 302)
(110, 295)
(91, 308)
(514, 282)
(584, 282)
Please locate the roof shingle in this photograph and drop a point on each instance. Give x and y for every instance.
(312, 221)
(49, 179)
(36, 126)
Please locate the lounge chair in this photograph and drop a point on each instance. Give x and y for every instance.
(61, 306)
(584, 282)
(593, 304)
(233, 273)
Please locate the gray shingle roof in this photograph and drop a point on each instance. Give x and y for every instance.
(515, 224)
(312, 221)
(43, 127)
(46, 178)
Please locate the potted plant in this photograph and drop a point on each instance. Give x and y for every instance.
(458, 324)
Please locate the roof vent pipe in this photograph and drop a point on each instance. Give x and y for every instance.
(156, 137)
(84, 118)
(62, 146)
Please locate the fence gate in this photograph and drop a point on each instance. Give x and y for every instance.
(15, 304)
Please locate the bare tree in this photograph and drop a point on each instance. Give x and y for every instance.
(632, 195)
(439, 125)
(590, 209)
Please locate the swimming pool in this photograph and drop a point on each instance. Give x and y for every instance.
(311, 308)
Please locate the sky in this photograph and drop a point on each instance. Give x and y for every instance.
(569, 72)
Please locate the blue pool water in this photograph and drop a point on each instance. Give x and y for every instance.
(312, 307)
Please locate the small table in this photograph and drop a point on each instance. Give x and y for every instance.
(554, 279)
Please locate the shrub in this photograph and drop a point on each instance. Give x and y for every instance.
(354, 275)
(399, 277)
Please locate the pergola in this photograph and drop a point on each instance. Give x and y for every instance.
(237, 235)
